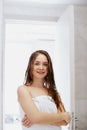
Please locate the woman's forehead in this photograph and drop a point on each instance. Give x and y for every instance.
(41, 57)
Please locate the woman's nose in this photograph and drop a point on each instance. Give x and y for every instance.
(41, 66)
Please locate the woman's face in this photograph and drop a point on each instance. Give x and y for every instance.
(40, 67)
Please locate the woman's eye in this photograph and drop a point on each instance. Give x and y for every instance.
(36, 63)
(45, 64)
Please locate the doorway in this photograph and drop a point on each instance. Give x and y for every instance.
(21, 39)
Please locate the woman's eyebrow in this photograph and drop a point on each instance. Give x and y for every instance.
(46, 62)
(37, 61)
(40, 61)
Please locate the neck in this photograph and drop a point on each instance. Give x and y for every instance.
(37, 83)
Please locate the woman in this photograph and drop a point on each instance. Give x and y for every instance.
(41, 104)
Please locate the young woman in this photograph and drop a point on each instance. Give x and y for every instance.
(42, 108)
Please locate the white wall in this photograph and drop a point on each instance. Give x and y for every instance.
(1, 64)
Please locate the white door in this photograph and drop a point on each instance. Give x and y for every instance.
(64, 61)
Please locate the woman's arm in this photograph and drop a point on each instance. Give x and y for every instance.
(61, 123)
(62, 109)
(34, 114)
(27, 123)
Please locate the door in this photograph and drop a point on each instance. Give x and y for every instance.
(64, 62)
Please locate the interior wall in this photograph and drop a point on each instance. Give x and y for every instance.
(1, 64)
(81, 66)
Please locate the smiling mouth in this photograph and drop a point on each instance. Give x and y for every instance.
(40, 72)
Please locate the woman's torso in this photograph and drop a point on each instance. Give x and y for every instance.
(44, 103)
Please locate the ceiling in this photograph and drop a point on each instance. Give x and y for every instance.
(51, 1)
(43, 10)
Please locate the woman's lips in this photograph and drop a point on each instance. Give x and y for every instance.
(40, 72)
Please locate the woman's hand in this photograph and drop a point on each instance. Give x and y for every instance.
(26, 121)
(67, 117)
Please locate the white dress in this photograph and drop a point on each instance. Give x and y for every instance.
(44, 104)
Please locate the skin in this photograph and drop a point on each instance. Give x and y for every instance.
(26, 93)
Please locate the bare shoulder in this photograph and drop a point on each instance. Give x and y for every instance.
(23, 93)
(21, 90)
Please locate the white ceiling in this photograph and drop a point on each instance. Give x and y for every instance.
(51, 1)
(49, 10)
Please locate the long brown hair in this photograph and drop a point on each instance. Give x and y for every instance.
(49, 79)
